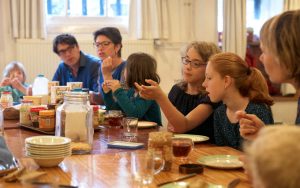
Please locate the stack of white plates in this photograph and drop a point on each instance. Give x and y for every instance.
(48, 151)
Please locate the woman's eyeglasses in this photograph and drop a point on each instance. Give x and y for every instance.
(194, 63)
(103, 44)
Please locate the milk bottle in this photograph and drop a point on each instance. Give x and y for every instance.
(40, 88)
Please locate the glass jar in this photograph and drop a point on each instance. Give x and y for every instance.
(162, 142)
(47, 120)
(95, 116)
(74, 120)
(25, 112)
(6, 99)
(34, 115)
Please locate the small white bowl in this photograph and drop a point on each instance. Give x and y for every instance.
(48, 162)
(47, 140)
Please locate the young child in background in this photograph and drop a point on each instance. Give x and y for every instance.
(140, 66)
(239, 87)
(14, 78)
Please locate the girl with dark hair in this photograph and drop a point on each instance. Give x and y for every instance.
(140, 66)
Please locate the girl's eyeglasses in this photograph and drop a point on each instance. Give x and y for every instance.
(194, 63)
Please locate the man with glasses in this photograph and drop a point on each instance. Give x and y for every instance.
(108, 43)
(75, 66)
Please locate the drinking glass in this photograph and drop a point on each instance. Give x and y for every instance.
(181, 148)
(114, 118)
(144, 165)
(130, 128)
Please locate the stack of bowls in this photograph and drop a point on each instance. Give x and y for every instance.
(48, 151)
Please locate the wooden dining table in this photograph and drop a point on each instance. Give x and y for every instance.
(109, 167)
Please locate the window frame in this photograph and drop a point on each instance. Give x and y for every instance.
(83, 24)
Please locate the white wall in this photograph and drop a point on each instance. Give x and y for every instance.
(285, 111)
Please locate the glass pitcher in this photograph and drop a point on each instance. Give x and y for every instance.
(74, 120)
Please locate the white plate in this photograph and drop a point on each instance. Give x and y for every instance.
(146, 124)
(195, 138)
(47, 140)
(221, 161)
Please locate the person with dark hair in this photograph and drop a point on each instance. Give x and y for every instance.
(75, 66)
(140, 66)
(108, 42)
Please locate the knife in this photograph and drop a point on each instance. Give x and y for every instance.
(51, 184)
(178, 179)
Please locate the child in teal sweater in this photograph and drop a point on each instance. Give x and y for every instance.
(140, 66)
(14, 80)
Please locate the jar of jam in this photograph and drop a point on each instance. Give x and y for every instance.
(47, 120)
(95, 116)
(34, 115)
(74, 120)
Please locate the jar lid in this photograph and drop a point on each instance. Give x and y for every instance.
(26, 101)
(95, 108)
(46, 113)
(6, 92)
(37, 109)
(190, 168)
(51, 106)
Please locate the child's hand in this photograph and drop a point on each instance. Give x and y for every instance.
(15, 83)
(150, 92)
(113, 84)
(5, 82)
(250, 125)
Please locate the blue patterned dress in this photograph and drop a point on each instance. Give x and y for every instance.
(227, 133)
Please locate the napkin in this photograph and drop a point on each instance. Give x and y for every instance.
(6, 158)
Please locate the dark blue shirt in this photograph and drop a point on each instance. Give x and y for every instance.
(185, 103)
(87, 73)
(227, 133)
(117, 74)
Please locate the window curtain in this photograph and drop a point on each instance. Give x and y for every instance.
(28, 19)
(148, 19)
(234, 27)
(291, 4)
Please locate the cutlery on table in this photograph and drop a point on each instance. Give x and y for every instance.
(177, 179)
(233, 183)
